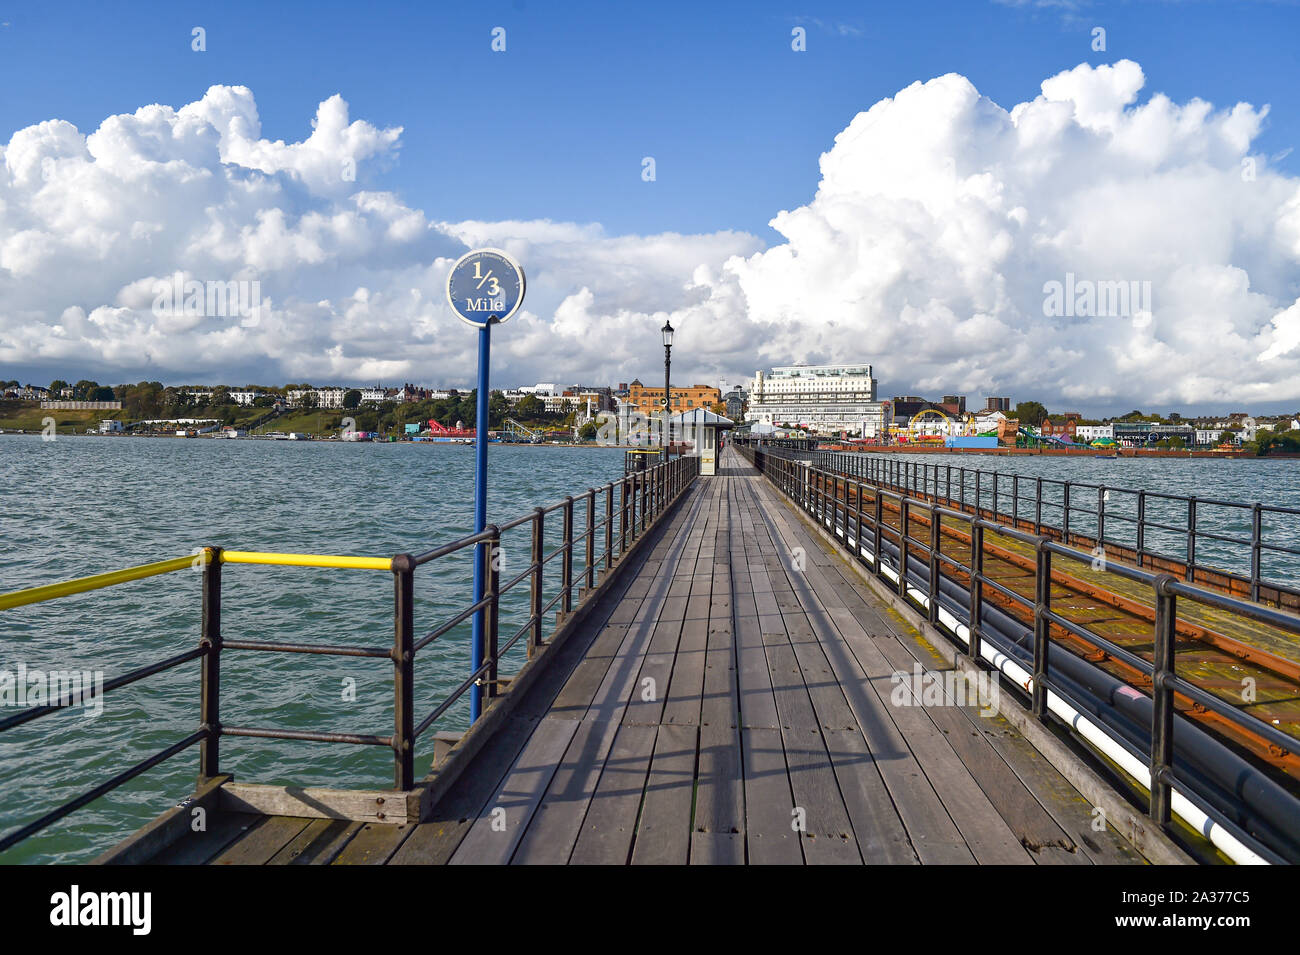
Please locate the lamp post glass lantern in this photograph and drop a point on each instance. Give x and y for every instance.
(667, 331)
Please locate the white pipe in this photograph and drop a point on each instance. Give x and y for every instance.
(1100, 739)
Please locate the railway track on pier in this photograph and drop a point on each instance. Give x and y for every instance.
(1251, 666)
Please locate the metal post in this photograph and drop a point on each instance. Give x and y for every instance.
(1256, 549)
(876, 520)
(210, 672)
(490, 630)
(902, 548)
(1042, 628)
(1065, 515)
(995, 496)
(537, 581)
(1191, 538)
(591, 538)
(609, 525)
(645, 501)
(1142, 526)
(1162, 699)
(857, 529)
(1015, 501)
(978, 495)
(403, 672)
(623, 498)
(566, 559)
(976, 588)
(1101, 516)
(480, 510)
(934, 565)
(1038, 506)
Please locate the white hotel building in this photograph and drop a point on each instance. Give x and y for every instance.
(826, 399)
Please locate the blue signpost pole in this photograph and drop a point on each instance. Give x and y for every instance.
(484, 288)
(480, 511)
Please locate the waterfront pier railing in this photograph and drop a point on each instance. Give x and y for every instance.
(575, 541)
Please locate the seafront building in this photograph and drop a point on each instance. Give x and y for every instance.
(685, 398)
(824, 399)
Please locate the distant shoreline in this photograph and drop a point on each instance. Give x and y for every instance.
(269, 440)
(1123, 453)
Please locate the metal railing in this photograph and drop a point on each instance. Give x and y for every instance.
(629, 508)
(852, 511)
(1166, 532)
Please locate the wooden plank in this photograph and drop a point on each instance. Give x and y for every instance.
(717, 848)
(175, 823)
(877, 824)
(610, 825)
(373, 844)
(828, 837)
(318, 843)
(501, 822)
(794, 709)
(380, 805)
(828, 834)
(580, 688)
(432, 842)
(1035, 829)
(196, 848)
(309, 834)
(985, 831)
(719, 821)
(757, 702)
(554, 829)
(260, 844)
(930, 829)
(646, 702)
(663, 835)
(686, 685)
(1041, 782)
(769, 804)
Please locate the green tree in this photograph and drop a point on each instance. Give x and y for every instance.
(588, 431)
(56, 386)
(498, 410)
(352, 399)
(1030, 413)
(221, 397)
(529, 408)
(309, 401)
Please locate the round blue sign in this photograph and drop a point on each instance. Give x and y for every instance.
(485, 287)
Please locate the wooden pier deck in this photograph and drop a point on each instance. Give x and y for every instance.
(728, 700)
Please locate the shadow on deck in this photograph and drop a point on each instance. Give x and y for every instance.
(732, 699)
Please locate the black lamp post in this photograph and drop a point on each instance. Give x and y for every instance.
(668, 357)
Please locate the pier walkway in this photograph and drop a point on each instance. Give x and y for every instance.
(731, 698)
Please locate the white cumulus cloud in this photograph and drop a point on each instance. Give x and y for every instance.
(939, 221)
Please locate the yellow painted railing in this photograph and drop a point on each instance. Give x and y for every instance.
(306, 560)
(32, 595)
(66, 588)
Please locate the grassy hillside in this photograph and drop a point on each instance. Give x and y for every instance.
(28, 416)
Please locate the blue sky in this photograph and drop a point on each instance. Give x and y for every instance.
(556, 127)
